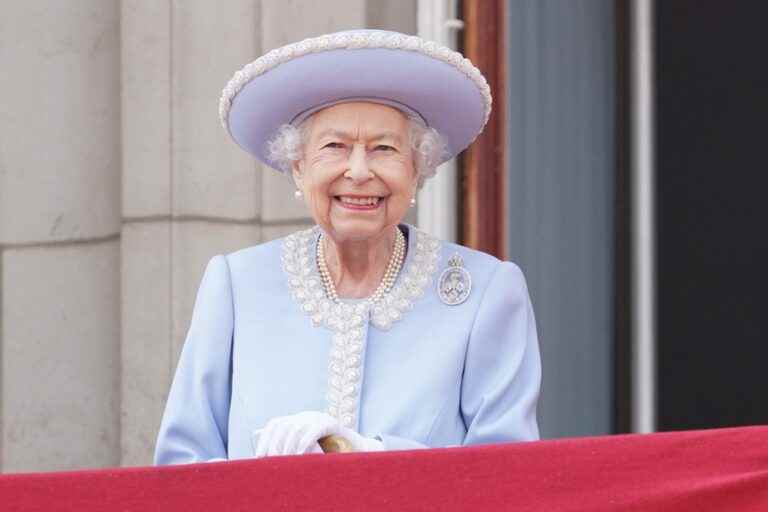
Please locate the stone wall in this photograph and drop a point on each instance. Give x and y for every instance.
(117, 184)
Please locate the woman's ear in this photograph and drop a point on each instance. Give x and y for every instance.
(415, 184)
(297, 171)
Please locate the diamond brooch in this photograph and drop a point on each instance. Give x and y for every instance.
(455, 283)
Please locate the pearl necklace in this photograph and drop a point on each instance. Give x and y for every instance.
(387, 282)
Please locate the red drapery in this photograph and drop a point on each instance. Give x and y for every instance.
(719, 470)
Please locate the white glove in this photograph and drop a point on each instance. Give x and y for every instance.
(298, 434)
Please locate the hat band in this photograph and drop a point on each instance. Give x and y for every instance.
(302, 116)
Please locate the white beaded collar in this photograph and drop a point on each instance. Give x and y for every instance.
(306, 287)
(346, 320)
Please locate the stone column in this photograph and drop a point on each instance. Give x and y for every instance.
(188, 192)
(59, 234)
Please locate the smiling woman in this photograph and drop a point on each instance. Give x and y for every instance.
(358, 177)
(347, 328)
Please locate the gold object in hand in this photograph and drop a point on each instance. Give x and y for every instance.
(335, 444)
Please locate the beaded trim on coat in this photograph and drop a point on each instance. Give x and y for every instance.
(352, 41)
(346, 320)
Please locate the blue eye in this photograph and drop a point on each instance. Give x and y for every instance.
(334, 145)
(384, 147)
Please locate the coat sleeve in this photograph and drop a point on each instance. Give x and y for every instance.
(502, 370)
(194, 427)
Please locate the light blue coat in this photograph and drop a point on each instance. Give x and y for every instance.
(411, 371)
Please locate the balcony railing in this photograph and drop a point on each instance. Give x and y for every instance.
(722, 470)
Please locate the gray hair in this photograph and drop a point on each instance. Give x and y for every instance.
(430, 148)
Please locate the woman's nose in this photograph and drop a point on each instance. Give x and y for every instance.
(358, 165)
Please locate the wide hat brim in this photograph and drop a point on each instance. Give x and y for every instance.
(440, 85)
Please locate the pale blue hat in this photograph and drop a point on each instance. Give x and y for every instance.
(421, 78)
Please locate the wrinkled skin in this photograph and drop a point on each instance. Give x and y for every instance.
(357, 149)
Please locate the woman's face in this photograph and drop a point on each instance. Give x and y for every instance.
(357, 173)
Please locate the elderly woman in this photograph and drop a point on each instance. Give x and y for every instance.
(363, 326)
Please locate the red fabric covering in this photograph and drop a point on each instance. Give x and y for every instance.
(719, 470)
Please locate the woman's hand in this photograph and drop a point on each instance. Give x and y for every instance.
(298, 434)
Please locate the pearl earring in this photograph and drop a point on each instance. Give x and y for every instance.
(413, 201)
(297, 194)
